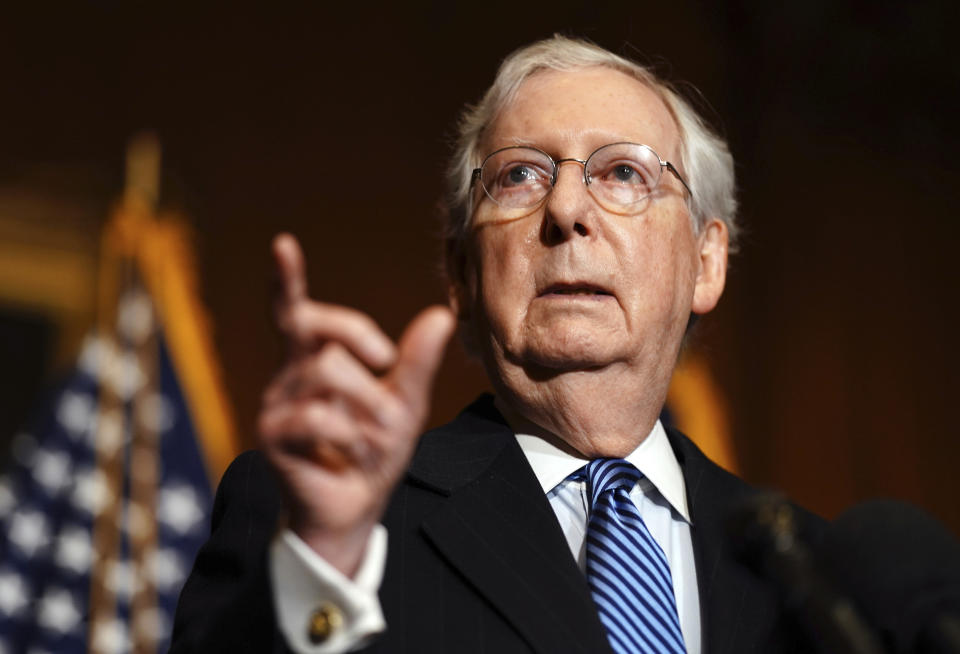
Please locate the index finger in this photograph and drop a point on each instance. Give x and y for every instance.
(291, 270)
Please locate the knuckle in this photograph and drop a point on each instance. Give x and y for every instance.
(329, 361)
(298, 317)
(356, 323)
(345, 313)
(302, 320)
(394, 414)
(394, 407)
(313, 419)
(366, 323)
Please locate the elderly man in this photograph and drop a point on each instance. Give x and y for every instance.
(590, 216)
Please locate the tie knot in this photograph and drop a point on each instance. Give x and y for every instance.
(609, 475)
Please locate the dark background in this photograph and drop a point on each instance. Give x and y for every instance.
(835, 341)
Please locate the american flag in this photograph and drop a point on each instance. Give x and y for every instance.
(105, 500)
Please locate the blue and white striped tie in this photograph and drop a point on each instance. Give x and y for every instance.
(627, 571)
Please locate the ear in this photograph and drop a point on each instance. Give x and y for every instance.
(457, 298)
(460, 299)
(461, 287)
(456, 269)
(712, 273)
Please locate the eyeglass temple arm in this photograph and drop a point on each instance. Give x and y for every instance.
(676, 173)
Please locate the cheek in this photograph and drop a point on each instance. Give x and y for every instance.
(503, 261)
(502, 279)
(659, 267)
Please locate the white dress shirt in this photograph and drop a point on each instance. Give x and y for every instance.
(302, 579)
(660, 496)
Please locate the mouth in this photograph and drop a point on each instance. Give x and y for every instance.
(575, 289)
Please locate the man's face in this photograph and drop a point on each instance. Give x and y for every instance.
(569, 285)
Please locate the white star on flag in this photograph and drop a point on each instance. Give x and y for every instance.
(29, 531)
(91, 355)
(179, 508)
(51, 469)
(166, 569)
(90, 491)
(13, 593)
(76, 412)
(74, 551)
(58, 611)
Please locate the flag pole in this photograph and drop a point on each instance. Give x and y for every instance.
(143, 186)
(129, 372)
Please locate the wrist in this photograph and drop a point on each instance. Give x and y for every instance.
(343, 549)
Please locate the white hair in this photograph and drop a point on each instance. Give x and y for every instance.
(704, 156)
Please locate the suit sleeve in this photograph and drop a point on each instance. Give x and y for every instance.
(253, 588)
(226, 603)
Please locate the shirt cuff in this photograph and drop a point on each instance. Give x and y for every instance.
(319, 609)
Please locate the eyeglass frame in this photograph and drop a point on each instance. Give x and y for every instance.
(477, 172)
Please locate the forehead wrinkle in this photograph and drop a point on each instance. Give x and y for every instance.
(561, 143)
(641, 107)
(566, 137)
(575, 143)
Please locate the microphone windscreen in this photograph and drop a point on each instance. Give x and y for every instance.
(903, 569)
(766, 533)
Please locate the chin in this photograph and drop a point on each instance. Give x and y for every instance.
(567, 354)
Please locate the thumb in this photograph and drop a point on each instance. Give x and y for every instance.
(420, 352)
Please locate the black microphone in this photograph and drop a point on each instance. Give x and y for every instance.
(766, 537)
(903, 568)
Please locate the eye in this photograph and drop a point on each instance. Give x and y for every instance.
(624, 173)
(520, 173)
(517, 176)
(627, 173)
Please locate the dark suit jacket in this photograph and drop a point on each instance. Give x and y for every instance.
(476, 559)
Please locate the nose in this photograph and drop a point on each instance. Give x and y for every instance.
(570, 211)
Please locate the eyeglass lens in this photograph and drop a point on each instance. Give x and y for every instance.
(618, 175)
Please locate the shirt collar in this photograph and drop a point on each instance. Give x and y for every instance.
(654, 458)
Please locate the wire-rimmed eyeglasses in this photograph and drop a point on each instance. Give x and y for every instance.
(619, 176)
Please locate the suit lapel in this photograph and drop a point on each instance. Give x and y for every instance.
(734, 612)
(496, 527)
(498, 530)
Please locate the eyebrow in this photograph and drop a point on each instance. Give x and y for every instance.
(568, 136)
(524, 142)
